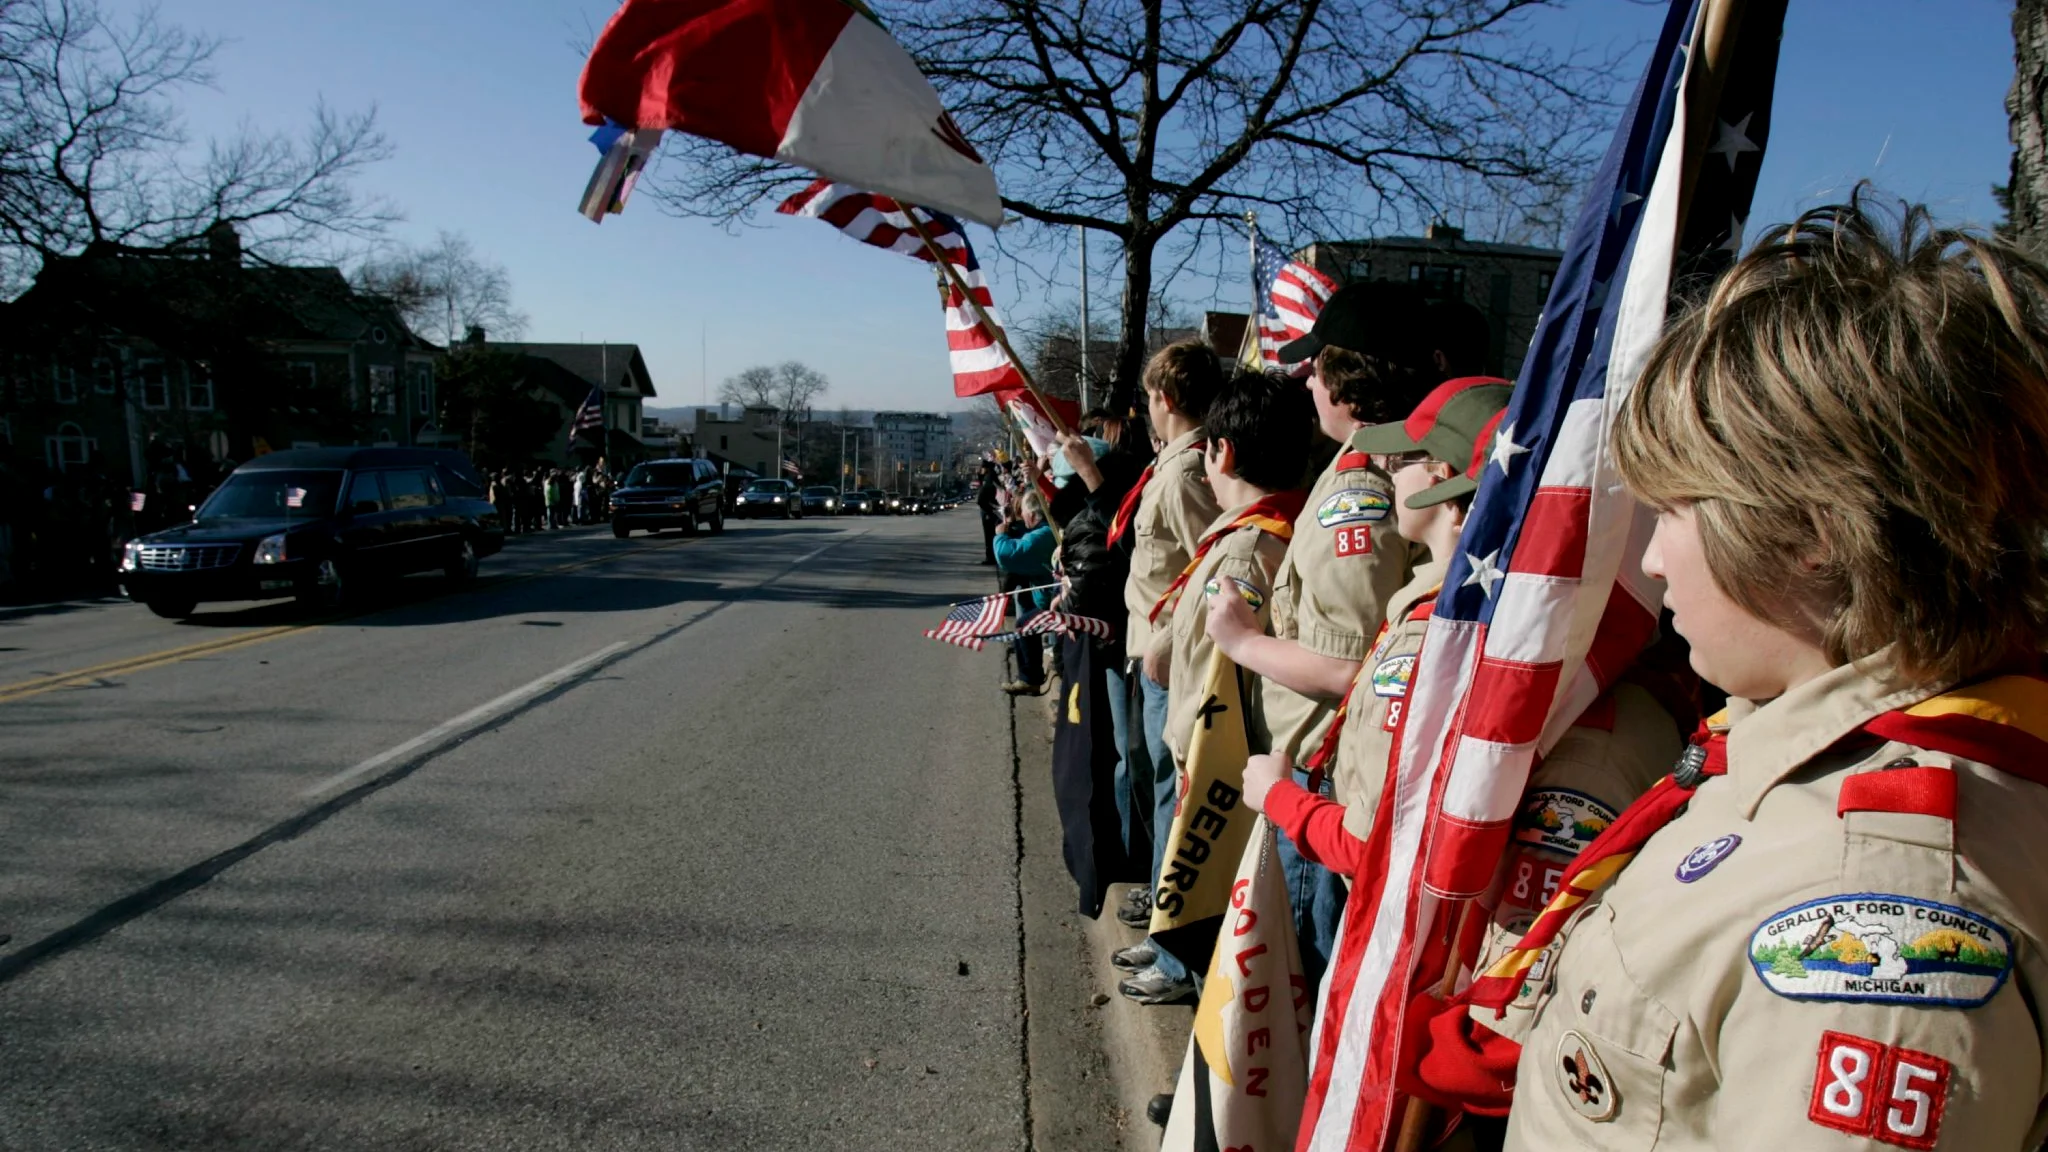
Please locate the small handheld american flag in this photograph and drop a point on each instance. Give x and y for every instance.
(970, 623)
(295, 497)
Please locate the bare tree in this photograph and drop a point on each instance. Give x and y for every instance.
(445, 289)
(1159, 120)
(2025, 196)
(752, 388)
(789, 387)
(93, 150)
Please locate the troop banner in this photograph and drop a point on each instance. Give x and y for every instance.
(1211, 824)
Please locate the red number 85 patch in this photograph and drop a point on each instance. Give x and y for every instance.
(1884, 1093)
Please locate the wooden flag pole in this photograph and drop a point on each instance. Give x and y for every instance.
(1415, 1120)
(959, 285)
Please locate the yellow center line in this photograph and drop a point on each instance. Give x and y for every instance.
(22, 690)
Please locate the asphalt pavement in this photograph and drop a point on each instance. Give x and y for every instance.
(671, 842)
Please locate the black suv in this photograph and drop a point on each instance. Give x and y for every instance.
(669, 494)
(317, 523)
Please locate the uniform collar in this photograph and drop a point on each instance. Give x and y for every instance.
(1423, 582)
(1770, 741)
(1224, 521)
(1178, 445)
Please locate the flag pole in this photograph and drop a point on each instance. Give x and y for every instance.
(1249, 354)
(980, 313)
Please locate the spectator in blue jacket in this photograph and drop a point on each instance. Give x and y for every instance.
(1024, 549)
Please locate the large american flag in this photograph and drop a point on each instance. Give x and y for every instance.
(588, 417)
(979, 363)
(1290, 295)
(1545, 601)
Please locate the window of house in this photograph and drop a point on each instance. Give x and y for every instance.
(69, 447)
(302, 374)
(104, 378)
(1438, 281)
(199, 387)
(383, 389)
(423, 389)
(64, 383)
(153, 379)
(1361, 270)
(1543, 283)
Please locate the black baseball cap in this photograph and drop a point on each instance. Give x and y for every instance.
(1382, 318)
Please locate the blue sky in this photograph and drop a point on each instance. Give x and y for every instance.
(479, 99)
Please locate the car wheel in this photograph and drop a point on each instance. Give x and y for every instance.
(333, 588)
(690, 524)
(717, 518)
(172, 609)
(462, 566)
(620, 530)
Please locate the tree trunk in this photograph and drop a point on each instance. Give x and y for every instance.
(1131, 348)
(2027, 106)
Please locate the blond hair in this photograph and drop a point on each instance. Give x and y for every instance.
(1859, 420)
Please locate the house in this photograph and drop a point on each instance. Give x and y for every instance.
(751, 443)
(912, 449)
(142, 369)
(564, 374)
(1507, 282)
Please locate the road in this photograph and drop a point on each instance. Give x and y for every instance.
(659, 843)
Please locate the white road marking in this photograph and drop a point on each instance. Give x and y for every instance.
(470, 719)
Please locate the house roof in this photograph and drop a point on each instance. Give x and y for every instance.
(610, 365)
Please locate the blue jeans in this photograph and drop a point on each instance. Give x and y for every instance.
(1159, 763)
(1317, 897)
(1127, 817)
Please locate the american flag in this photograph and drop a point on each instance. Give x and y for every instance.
(295, 497)
(588, 417)
(789, 468)
(1291, 295)
(971, 623)
(1545, 601)
(979, 363)
(1065, 623)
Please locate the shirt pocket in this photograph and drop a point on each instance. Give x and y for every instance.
(1609, 1043)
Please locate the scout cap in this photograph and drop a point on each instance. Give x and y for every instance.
(1454, 424)
(1375, 318)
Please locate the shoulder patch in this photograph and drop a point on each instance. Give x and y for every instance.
(1252, 596)
(1878, 948)
(1353, 506)
(1391, 677)
(1561, 820)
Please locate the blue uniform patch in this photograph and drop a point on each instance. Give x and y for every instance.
(1703, 859)
(1879, 948)
(1392, 676)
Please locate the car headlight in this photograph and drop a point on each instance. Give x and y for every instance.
(271, 550)
(131, 557)
(741, 500)
(778, 499)
(831, 503)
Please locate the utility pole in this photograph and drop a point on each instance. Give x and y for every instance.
(1084, 319)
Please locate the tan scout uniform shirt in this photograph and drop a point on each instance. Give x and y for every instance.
(1768, 974)
(1376, 701)
(1246, 554)
(1172, 512)
(1599, 766)
(1330, 593)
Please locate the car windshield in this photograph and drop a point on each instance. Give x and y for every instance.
(769, 487)
(821, 491)
(677, 475)
(273, 495)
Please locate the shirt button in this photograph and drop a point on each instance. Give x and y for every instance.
(1586, 1001)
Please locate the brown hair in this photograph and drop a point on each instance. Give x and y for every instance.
(1189, 376)
(1378, 391)
(1860, 417)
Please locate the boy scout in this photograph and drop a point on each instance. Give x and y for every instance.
(1827, 928)
(1259, 432)
(1165, 513)
(1371, 365)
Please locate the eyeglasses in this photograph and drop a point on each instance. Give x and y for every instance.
(1400, 460)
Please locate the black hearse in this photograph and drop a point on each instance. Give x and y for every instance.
(316, 524)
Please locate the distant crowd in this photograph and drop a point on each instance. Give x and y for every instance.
(539, 498)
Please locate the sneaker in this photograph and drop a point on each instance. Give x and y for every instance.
(1154, 987)
(1024, 688)
(1159, 1109)
(1137, 913)
(1136, 958)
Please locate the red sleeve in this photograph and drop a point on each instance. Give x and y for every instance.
(1316, 826)
(1459, 1063)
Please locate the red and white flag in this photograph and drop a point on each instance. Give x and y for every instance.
(813, 83)
(979, 363)
(1290, 296)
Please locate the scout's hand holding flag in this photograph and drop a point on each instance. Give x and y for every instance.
(815, 84)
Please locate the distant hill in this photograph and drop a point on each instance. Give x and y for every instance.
(686, 418)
